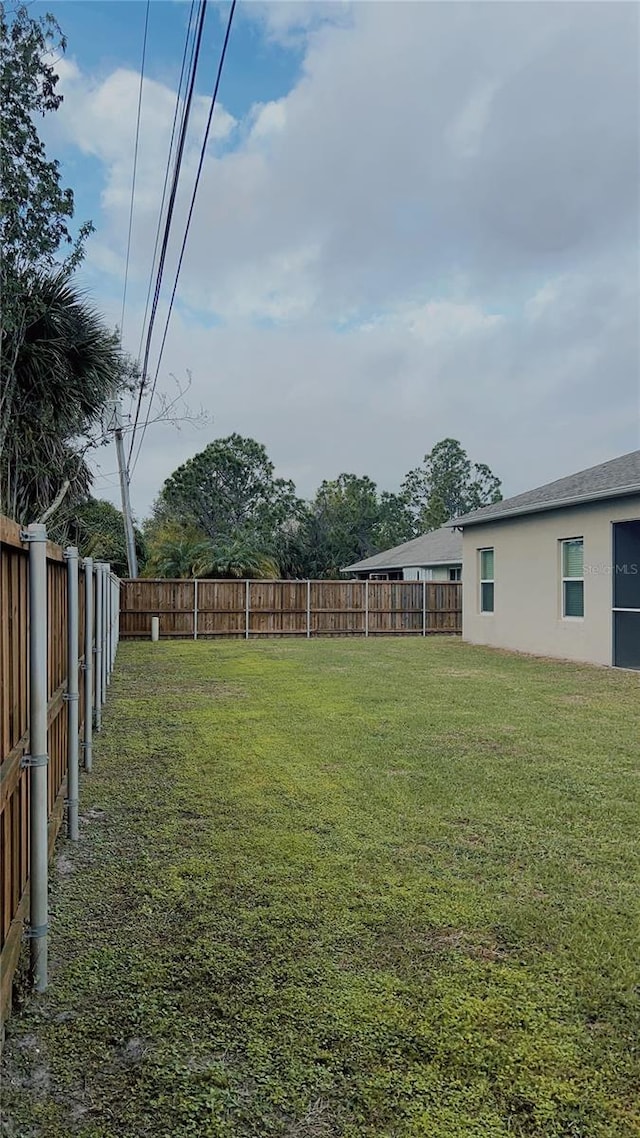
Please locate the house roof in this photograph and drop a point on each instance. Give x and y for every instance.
(616, 478)
(440, 547)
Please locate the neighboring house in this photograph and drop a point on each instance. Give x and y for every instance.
(556, 571)
(436, 556)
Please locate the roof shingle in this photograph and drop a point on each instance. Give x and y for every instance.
(440, 547)
(613, 479)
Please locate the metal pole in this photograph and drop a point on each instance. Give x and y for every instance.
(105, 631)
(38, 759)
(195, 609)
(88, 663)
(72, 695)
(366, 607)
(424, 607)
(109, 585)
(246, 610)
(308, 609)
(98, 646)
(132, 560)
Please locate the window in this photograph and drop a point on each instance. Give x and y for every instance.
(486, 580)
(455, 573)
(573, 577)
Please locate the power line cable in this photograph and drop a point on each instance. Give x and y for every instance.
(190, 28)
(203, 150)
(135, 162)
(172, 201)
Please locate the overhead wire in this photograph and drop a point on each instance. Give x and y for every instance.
(135, 163)
(190, 28)
(203, 150)
(184, 124)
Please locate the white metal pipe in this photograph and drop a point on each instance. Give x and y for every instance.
(155, 628)
(104, 568)
(88, 663)
(308, 609)
(109, 630)
(72, 694)
(38, 760)
(366, 607)
(98, 651)
(195, 609)
(246, 610)
(424, 607)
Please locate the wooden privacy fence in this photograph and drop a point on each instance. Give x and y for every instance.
(195, 609)
(58, 639)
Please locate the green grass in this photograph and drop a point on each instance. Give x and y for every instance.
(345, 888)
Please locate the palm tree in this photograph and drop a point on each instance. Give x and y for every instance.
(59, 367)
(243, 557)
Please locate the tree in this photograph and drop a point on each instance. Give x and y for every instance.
(66, 366)
(98, 531)
(228, 492)
(59, 364)
(447, 485)
(36, 210)
(347, 521)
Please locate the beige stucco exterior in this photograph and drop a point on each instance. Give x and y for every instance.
(527, 613)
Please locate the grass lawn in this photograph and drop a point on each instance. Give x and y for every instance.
(345, 888)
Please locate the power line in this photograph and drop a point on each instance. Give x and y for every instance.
(168, 166)
(135, 163)
(203, 150)
(172, 201)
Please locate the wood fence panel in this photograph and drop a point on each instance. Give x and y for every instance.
(289, 608)
(14, 726)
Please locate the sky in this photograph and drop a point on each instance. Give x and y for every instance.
(415, 220)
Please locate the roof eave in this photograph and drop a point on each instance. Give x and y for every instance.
(545, 507)
(404, 565)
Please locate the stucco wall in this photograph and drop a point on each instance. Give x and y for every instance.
(527, 613)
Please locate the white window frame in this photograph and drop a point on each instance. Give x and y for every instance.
(487, 580)
(564, 541)
(457, 573)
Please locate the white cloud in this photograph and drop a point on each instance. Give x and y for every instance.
(454, 187)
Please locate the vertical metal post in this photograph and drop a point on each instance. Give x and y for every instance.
(104, 569)
(366, 607)
(195, 609)
(424, 607)
(308, 609)
(71, 694)
(98, 646)
(88, 663)
(109, 643)
(38, 760)
(246, 610)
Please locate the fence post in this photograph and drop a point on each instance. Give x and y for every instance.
(424, 607)
(246, 610)
(366, 607)
(195, 609)
(116, 594)
(87, 745)
(109, 642)
(38, 760)
(104, 570)
(308, 609)
(71, 694)
(98, 646)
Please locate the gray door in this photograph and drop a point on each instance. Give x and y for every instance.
(626, 594)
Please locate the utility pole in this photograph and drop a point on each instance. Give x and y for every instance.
(132, 560)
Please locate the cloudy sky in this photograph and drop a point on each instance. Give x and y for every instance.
(415, 220)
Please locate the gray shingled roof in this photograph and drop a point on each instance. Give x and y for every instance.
(614, 479)
(440, 547)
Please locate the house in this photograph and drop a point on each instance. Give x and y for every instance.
(435, 556)
(556, 571)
